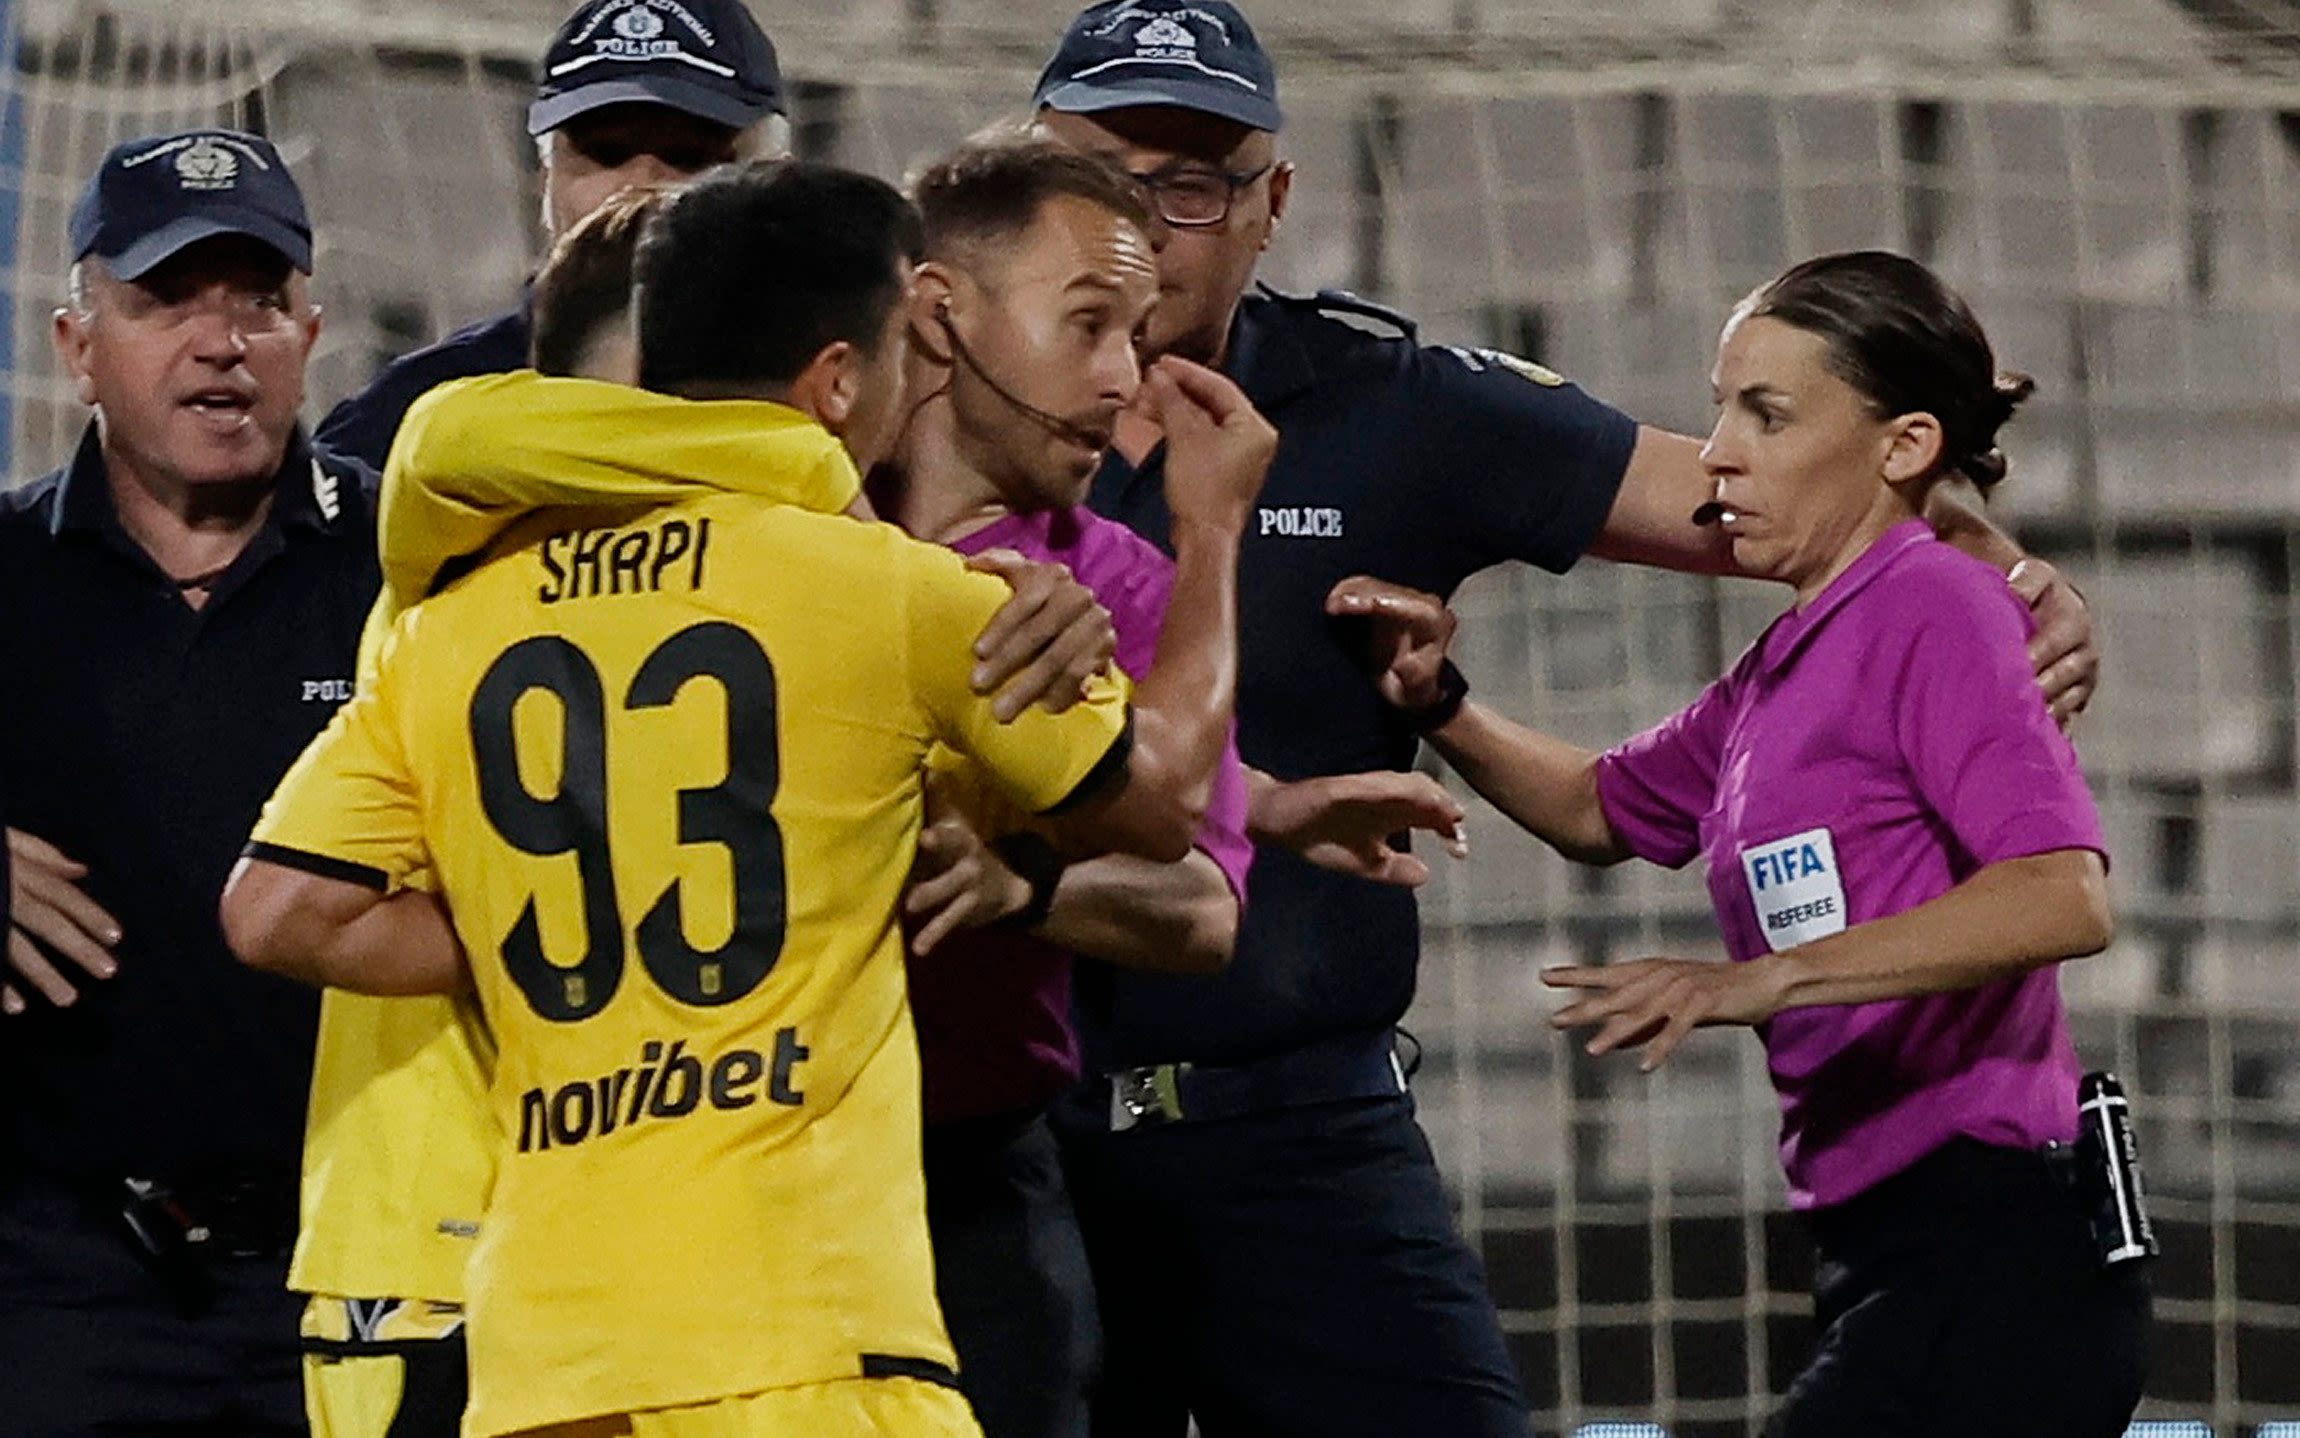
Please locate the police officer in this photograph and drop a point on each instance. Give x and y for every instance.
(1269, 1234)
(630, 94)
(179, 607)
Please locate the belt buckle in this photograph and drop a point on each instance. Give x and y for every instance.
(1145, 1097)
(159, 1222)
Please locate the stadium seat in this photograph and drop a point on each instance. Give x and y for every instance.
(350, 116)
(891, 130)
(1317, 245)
(2251, 854)
(1561, 22)
(2242, 973)
(2190, 699)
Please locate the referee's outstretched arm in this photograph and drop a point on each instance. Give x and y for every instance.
(2010, 917)
(1547, 786)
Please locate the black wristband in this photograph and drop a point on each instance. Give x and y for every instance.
(1453, 688)
(1040, 865)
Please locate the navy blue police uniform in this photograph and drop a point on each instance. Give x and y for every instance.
(146, 739)
(363, 425)
(151, 1132)
(1270, 1237)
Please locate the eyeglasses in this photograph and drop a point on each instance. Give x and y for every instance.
(1194, 197)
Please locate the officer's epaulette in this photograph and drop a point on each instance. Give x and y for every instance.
(1348, 309)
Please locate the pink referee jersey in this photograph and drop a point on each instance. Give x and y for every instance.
(993, 1009)
(1868, 753)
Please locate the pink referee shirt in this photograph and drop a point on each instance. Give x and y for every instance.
(993, 1009)
(1868, 753)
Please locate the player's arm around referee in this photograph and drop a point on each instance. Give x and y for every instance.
(1900, 846)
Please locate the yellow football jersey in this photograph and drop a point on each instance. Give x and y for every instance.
(399, 1146)
(474, 455)
(668, 775)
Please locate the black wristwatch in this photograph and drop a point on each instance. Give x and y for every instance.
(1040, 864)
(1453, 688)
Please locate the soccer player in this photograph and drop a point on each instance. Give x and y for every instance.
(385, 1237)
(668, 773)
(1293, 1267)
(1895, 880)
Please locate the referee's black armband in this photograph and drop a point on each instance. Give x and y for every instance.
(1041, 865)
(1453, 689)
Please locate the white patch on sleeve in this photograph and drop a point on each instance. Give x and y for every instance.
(1797, 888)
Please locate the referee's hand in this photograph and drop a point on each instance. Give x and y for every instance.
(1411, 633)
(58, 937)
(1218, 446)
(1350, 823)
(1657, 1002)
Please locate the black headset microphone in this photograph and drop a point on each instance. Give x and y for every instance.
(1047, 420)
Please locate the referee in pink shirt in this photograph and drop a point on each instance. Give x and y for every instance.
(1899, 845)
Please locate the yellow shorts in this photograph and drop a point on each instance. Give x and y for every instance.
(843, 1408)
(383, 1369)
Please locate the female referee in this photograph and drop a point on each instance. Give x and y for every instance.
(1900, 846)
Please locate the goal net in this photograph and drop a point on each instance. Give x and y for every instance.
(2115, 184)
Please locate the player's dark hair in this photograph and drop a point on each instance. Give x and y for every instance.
(585, 285)
(1908, 343)
(745, 275)
(993, 188)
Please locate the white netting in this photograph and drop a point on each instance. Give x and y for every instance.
(2114, 183)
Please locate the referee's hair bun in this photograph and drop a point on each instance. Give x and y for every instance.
(2006, 394)
(1986, 469)
(1987, 465)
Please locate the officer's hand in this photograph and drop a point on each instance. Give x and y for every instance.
(1045, 643)
(1345, 822)
(58, 937)
(957, 881)
(1657, 1002)
(1218, 446)
(1411, 632)
(2066, 649)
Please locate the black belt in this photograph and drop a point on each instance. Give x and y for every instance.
(1964, 1182)
(179, 1228)
(1352, 1067)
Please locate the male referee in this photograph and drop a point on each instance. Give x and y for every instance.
(1269, 1235)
